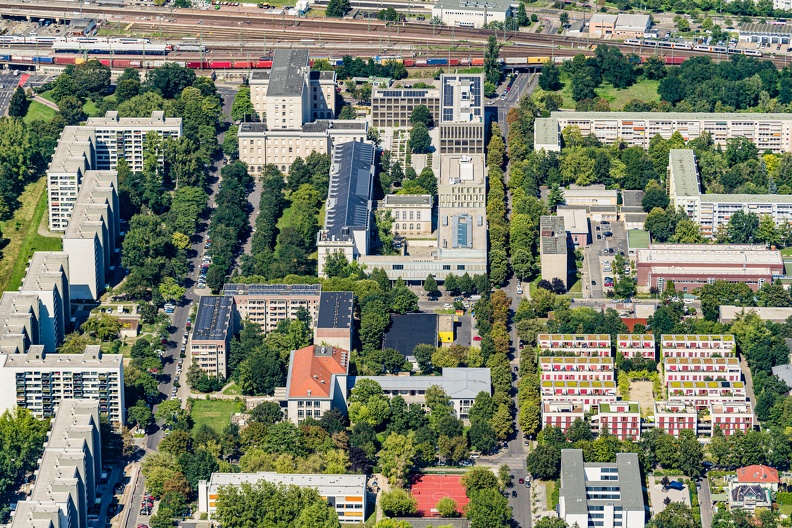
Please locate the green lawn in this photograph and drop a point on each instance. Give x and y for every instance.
(47, 95)
(787, 251)
(232, 390)
(90, 108)
(214, 413)
(644, 90)
(37, 110)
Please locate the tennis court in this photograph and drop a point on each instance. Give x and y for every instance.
(428, 489)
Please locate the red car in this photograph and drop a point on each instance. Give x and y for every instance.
(477, 338)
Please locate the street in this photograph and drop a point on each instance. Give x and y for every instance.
(705, 503)
(524, 84)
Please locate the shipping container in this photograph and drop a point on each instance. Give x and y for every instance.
(409, 63)
(104, 62)
(464, 62)
(79, 60)
(265, 63)
(194, 65)
(21, 58)
(437, 62)
(516, 60)
(537, 60)
(45, 60)
(243, 65)
(220, 64)
(674, 60)
(477, 62)
(64, 60)
(134, 64)
(420, 63)
(121, 63)
(453, 62)
(5, 57)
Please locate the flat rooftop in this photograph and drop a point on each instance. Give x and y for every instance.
(297, 290)
(287, 76)
(665, 116)
(715, 255)
(213, 318)
(458, 383)
(156, 119)
(335, 310)
(410, 330)
(43, 268)
(36, 357)
(326, 485)
(491, 6)
(408, 199)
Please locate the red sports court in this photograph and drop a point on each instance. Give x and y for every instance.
(429, 489)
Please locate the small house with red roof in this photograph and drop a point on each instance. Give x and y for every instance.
(753, 487)
(316, 382)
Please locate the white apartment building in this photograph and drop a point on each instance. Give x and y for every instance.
(561, 414)
(346, 494)
(673, 417)
(125, 137)
(712, 211)
(771, 132)
(732, 416)
(601, 495)
(697, 346)
(587, 394)
(701, 369)
(269, 304)
(632, 346)
(701, 394)
(68, 471)
(579, 344)
(574, 368)
(74, 155)
(210, 341)
(20, 325)
(39, 381)
(411, 213)
(48, 278)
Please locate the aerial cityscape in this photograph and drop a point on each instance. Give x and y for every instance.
(395, 264)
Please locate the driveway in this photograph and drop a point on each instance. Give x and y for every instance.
(657, 495)
(705, 503)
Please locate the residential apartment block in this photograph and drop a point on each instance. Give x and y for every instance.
(461, 384)
(392, 107)
(621, 419)
(561, 414)
(215, 324)
(48, 277)
(20, 325)
(554, 248)
(584, 345)
(697, 346)
(40, 382)
(316, 382)
(576, 368)
(411, 213)
(701, 369)
(672, 417)
(632, 346)
(701, 394)
(346, 494)
(604, 495)
(269, 304)
(732, 416)
(771, 132)
(585, 393)
(712, 211)
(68, 471)
(74, 155)
(335, 322)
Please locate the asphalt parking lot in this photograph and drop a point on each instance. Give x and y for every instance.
(8, 83)
(600, 252)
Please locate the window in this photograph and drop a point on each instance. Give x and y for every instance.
(398, 266)
(460, 266)
(446, 267)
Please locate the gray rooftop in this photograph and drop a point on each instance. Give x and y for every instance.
(546, 131)
(349, 196)
(156, 119)
(335, 124)
(287, 77)
(672, 116)
(325, 484)
(755, 28)
(335, 310)
(784, 372)
(36, 357)
(45, 266)
(458, 383)
(408, 199)
(213, 318)
(492, 6)
(434, 522)
(574, 483)
(624, 209)
(272, 289)
(682, 166)
(635, 217)
(632, 198)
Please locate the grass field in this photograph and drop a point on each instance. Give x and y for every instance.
(232, 390)
(22, 234)
(644, 90)
(37, 110)
(47, 95)
(214, 413)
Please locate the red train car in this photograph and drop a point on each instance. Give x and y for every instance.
(453, 62)
(409, 63)
(224, 65)
(121, 63)
(477, 62)
(674, 61)
(64, 60)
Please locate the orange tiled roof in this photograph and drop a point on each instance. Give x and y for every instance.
(757, 473)
(312, 369)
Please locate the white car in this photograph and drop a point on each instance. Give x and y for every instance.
(447, 305)
(519, 291)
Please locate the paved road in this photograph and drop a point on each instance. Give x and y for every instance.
(525, 83)
(705, 503)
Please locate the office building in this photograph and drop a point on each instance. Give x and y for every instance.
(636, 346)
(575, 368)
(39, 381)
(335, 322)
(20, 325)
(269, 304)
(48, 278)
(316, 382)
(583, 345)
(712, 211)
(411, 213)
(576, 224)
(125, 137)
(608, 26)
(701, 369)
(461, 384)
(471, 13)
(673, 417)
(561, 414)
(771, 132)
(621, 419)
(462, 112)
(554, 248)
(346, 494)
(215, 324)
(392, 107)
(601, 494)
(732, 416)
(68, 471)
(348, 219)
(697, 346)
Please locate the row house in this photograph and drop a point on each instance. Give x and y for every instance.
(576, 368)
(697, 346)
(621, 419)
(632, 346)
(701, 369)
(732, 416)
(585, 393)
(673, 417)
(578, 344)
(561, 414)
(701, 394)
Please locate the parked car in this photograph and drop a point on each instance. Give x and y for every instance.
(675, 485)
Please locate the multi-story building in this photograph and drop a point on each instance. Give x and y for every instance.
(462, 114)
(732, 416)
(269, 304)
(68, 471)
(561, 414)
(697, 346)
(574, 368)
(605, 495)
(39, 382)
(701, 369)
(584, 345)
(701, 394)
(471, 14)
(554, 248)
(346, 494)
(461, 384)
(392, 107)
(672, 417)
(771, 132)
(586, 393)
(19, 322)
(632, 346)
(621, 419)
(48, 278)
(215, 324)
(74, 155)
(347, 225)
(712, 211)
(603, 25)
(776, 314)
(753, 487)
(576, 225)
(594, 195)
(411, 213)
(125, 137)
(335, 322)
(316, 382)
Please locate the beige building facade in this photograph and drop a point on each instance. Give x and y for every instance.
(411, 213)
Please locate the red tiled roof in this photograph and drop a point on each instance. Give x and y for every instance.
(757, 474)
(312, 368)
